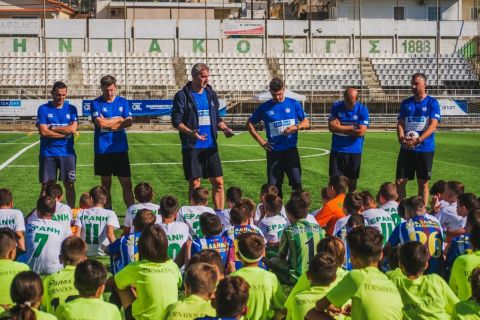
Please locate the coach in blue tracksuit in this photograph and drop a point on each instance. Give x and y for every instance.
(57, 123)
(195, 114)
(348, 122)
(421, 114)
(283, 118)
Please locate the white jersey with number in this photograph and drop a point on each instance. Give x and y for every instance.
(224, 216)
(12, 219)
(44, 239)
(258, 213)
(177, 234)
(191, 216)
(311, 218)
(381, 220)
(94, 223)
(133, 209)
(63, 214)
(390, 207)
(272, 227)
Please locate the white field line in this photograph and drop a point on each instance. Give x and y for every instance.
(321, 153)
(16, 155)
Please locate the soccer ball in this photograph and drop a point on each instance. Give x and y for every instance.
(411, 135)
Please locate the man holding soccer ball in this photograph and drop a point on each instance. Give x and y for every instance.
(417, 121)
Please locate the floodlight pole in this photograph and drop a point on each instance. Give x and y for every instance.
(437, 45)
(125, 46)
(44, 41)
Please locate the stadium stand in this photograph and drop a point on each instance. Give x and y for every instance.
(394, 71)
(230, 71)
(28, 69)
(330, 72)
(143, 69)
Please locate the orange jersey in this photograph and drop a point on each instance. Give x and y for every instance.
(75, 212)
(330, 213)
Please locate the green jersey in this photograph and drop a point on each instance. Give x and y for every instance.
(303, 284)
(191, 307)
(461, 271)
(58, 288)
(156, 285)
(8, 270)
(298, 244)
(88, 309)
(265, 295)
(373, 295)
(466, 310)
(305, 301)
(394, 273)
(427, 297)
(39, 315)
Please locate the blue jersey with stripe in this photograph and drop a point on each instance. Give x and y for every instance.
(459, 246)
(342, 234)
(222, 244)
(357, 116)
(417, 116)
(233, 234)
(50, 115)
(426, 230)
(106, 140)
(123, 251)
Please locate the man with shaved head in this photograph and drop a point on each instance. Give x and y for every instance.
(348, 122)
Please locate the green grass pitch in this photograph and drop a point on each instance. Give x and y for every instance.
(156, 158)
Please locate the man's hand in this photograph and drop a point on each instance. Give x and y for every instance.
(335, 123)
(289, 130)
(228, 132)
(195, 135)
(268, 146)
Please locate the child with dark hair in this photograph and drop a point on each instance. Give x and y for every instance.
(373, 295)
(97, 225)
(259, 211)
(266, 297)
(470, 309)
(12, 218)
(387, 198)
(44, 238)
(463, 267)
(393, 263)
(63, 213)
(231, 299)
(450, 221)
(352, 204)
(297, 244)
(90, 278)
(273, 224)
(240, 217)
(59, 287)
(423, 296)
(332, 210)
(8, 266)
(211, 226)
(321, 274)
(200, 283)
(234, 195)
(178, 233)
(155, 277)
(211, 257)
(125, 249)
(191, 214)
(436, 196)
(377, 218)
(144, 195)
(26, 293)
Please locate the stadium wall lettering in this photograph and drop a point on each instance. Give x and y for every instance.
(246, 36)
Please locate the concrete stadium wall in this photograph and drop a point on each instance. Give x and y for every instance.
(189, 36)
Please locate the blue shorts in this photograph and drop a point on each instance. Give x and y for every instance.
(57, 168)
(201, 163)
